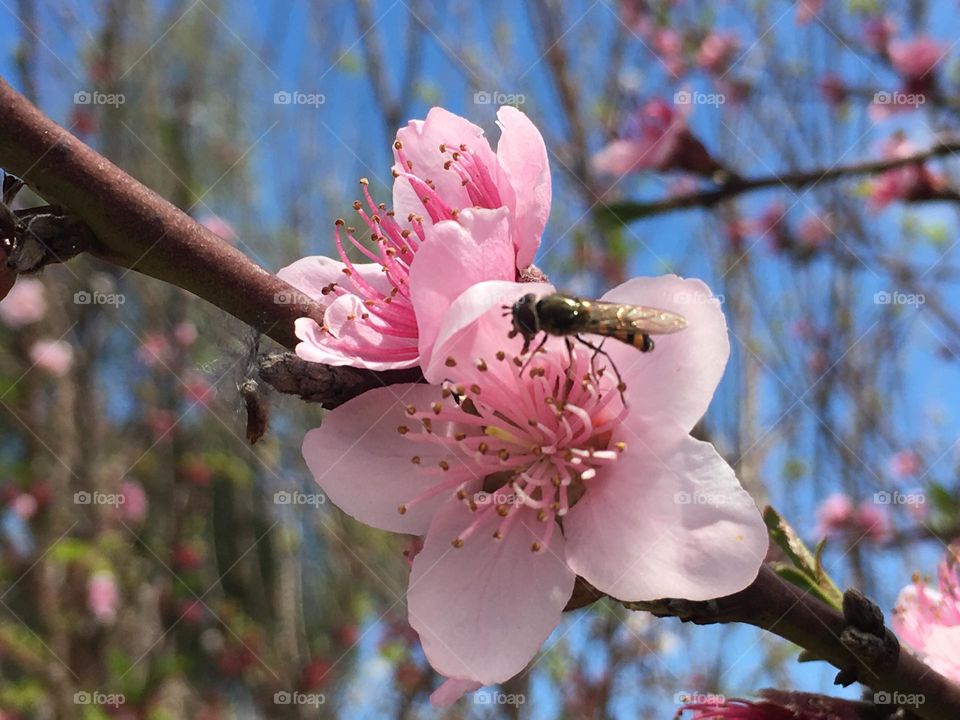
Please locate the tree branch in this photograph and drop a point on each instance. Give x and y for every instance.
(136, 228)
(628, 211)
(855, 642)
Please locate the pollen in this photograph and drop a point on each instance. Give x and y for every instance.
(475, 389)
(403, 429)
(415, 459)
(402, 509)
(535, 546)
(411, 410)
(481, 365)
(501, 355)
(450, 362)
(436, 407)
(457, 543)
(444, 465)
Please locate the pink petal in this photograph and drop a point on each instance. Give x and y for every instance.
(911, 620)
(674, 525)
(456, 256)
(678, 379)
(463, 338)
(364, 464)
(452, 690)
(523, 159)
(352, 342)
(311, 274)
(421, 144)
(619, 158)
(483, 610)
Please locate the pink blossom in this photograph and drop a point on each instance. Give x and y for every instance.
(161, 422)
(877, 32)
(909, 182)
(905, 463)
(25, 505)
(814, 231)
(772, 225)
(470, 215)
(198, 389)
(668, 45)
(218, 226)
(636, 15)
(775, 705)
(54, 357)
(155, 349)
(25, 304)
(835, 515)
(492, 455)
(660, 141)
(916, 58)
(103, 597)
(807, 11)
(717, 51)
(135, 503)
(185, 334)
(873, 521)
(833, 89)
(928, 620)
(839, 517)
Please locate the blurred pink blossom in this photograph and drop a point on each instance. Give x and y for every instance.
(839, 517)
(927, 620)
(185, 334)
(717, 51)
(198, 389)
(52, 356)
(25, 505)
(25, 304)
(668, 45)
(134, 507)
(155, 349)
(103, 597)
(909, 182)
(659, 141)
(877, 32)
(833, 89)
(814, 231)
(161, 422)
(905, 464)
(807, 11)
(916, 58)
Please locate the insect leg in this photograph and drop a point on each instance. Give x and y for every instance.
(534, 353)
(598, 350)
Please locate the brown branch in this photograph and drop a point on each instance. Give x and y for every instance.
(330, 386)
(136, 228)
(627, 211)
(854, 641)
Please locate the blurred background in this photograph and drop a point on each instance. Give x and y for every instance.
(153, 565)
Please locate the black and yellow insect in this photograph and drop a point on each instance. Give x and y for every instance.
(565, 315)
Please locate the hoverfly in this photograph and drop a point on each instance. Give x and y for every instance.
(566, 316)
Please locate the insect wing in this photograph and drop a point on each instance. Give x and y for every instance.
(607, 318)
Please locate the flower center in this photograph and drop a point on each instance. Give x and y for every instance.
(388, 309)
(520, 437)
